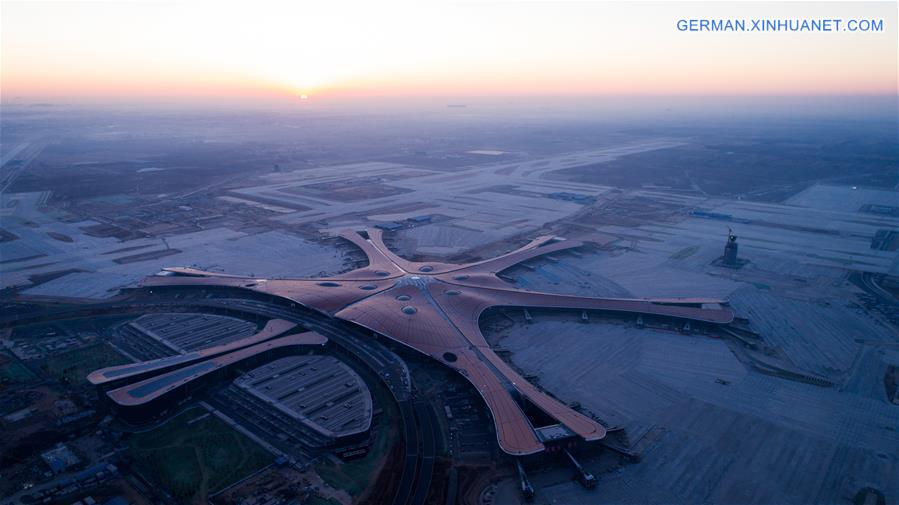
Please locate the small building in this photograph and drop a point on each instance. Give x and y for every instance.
(579, 198)
(389, 226)
(60, 458)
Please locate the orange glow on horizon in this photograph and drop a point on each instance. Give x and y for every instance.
(274, 51)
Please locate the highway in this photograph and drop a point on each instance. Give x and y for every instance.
(25, 153)
(427, 426)
(410, 457)
(869, 283)
(880, 300)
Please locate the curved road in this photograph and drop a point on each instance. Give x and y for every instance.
(417, 417)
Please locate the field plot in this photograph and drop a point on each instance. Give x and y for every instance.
(11, 371)
(757, 167)
(195, 454)
(74, 366)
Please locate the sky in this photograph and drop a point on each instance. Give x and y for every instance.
(268, 51)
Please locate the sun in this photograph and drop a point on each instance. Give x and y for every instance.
(300, 81)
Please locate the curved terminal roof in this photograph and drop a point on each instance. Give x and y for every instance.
(135, 371)
(184, 332)
(322, 392)
(434, 308)
(153, 388)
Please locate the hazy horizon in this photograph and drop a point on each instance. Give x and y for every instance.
(203, 54)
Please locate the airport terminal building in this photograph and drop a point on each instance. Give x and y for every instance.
(315, 400)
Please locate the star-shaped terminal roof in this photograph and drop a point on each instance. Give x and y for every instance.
(434, 308)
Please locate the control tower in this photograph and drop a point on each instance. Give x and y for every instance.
(730, 250)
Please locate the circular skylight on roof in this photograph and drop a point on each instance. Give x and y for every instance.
(452, 292)
(368, 287)
(426, 268)
(408, 309)
(329, 284)
(404, 298)
(381, 273)
(460, 277)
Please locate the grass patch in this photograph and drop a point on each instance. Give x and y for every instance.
(76, 365)
(195, 459)
(12, 371)
(356, 475)
(319, 500)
